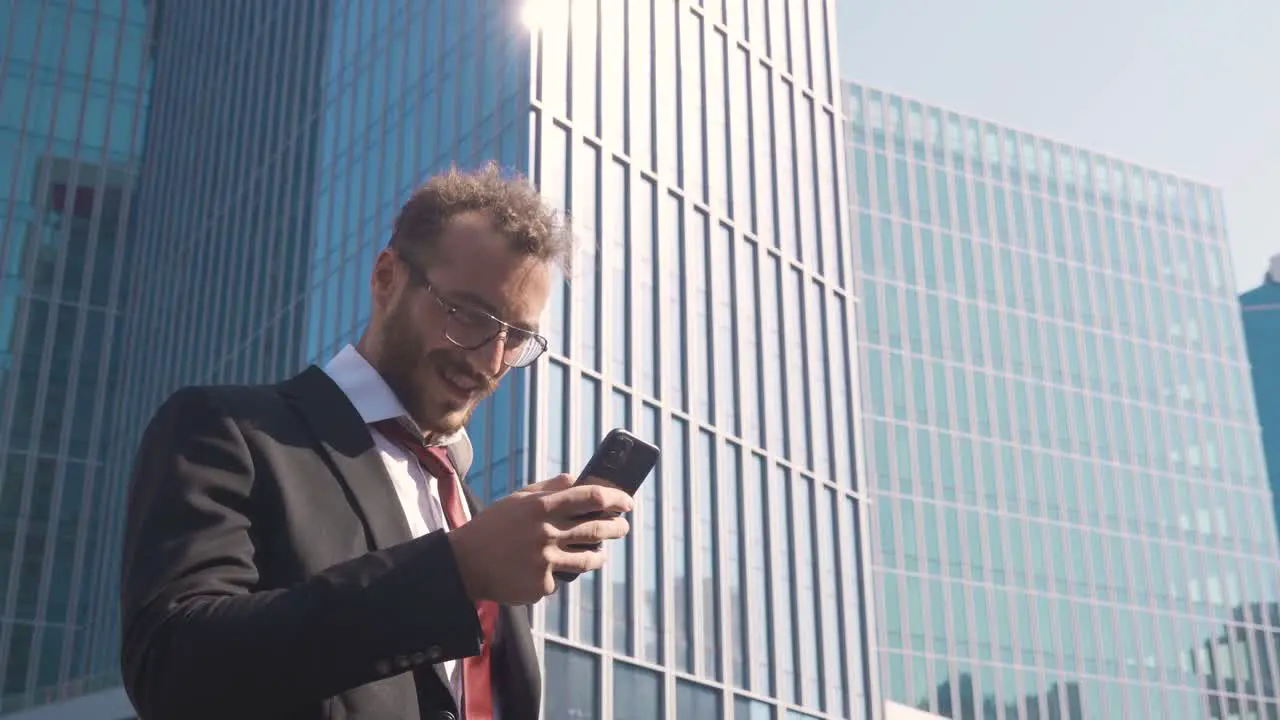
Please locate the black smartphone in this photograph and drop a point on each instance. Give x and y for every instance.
(623, 460)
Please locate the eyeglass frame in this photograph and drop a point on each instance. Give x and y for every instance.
(505, 329)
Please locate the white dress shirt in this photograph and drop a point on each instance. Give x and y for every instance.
(418, 491)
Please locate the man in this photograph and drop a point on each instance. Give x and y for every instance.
(302, 550)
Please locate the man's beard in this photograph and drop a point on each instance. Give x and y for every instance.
(405, 366)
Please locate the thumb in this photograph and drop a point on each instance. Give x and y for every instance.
(555, 484)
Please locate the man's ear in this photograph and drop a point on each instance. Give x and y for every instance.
(386, 279)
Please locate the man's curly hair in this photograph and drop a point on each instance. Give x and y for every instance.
(509, 201)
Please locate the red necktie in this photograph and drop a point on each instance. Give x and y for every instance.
(477, 692)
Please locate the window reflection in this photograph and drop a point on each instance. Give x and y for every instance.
(637, 693)
(572, 683)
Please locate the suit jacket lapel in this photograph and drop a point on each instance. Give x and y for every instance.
(345, 438)
(346, 441)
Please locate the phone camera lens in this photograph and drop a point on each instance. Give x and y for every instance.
(616, 454)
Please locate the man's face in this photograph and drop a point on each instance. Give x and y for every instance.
(471, 275)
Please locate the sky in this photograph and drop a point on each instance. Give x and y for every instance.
(1187, 86)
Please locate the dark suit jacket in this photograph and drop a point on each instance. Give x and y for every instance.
(269, 572)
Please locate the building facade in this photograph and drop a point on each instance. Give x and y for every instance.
(1261, 314)
(1069, 488)
(698, 150)
(74, 86)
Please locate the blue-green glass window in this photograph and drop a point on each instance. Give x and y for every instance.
(933, 318)
(861, 177)
(882, 185)
(946, 459)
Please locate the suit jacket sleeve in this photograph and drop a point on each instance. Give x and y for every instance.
(200, 640)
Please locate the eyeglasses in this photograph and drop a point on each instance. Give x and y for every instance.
(471, 328)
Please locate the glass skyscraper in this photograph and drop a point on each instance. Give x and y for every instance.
(74, 85)
(698, 147)
(1261, 314)
(1061, 447)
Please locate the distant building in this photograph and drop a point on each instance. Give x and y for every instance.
(75, 78)
(1064, 460)
(1261, 310)
(1238, 664)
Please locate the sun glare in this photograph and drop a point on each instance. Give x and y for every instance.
(543, 14)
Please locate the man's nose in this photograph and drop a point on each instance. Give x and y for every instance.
(488, 358)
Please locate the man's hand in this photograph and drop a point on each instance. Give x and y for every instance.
(510, 550)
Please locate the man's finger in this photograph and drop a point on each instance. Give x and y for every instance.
(592, 531)
(584, 499)
(560, 482)
(577, 562)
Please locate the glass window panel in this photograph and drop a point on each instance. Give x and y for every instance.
(637, 693)
(760, 619)
(588, 584)
(622, 562)
(735, 542)
(719, 173)
(651, 530)
(692, 70)
(585, 105)
(614, 36)
(672, 319)
(701, 340)
(695, 702)
(808, 603)
(666, 62)
(741, 160)
(748, 709)
(781, 542)
(572, 683)
(617, 215)
(706, 500)
(552, 183)
(747, 319)
(722, 280)
(643, 250)
(554, 54)
(641, 119)
(805, 191)
(676, 471)
(586, 219)
(771, 301)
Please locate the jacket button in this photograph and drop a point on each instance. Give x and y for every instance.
(383, 667)
(446, 715)
(433, 654)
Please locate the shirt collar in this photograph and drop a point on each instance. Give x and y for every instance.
(372, 398)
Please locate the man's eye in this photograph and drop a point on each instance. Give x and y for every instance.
(469, 317)
(516, 338)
